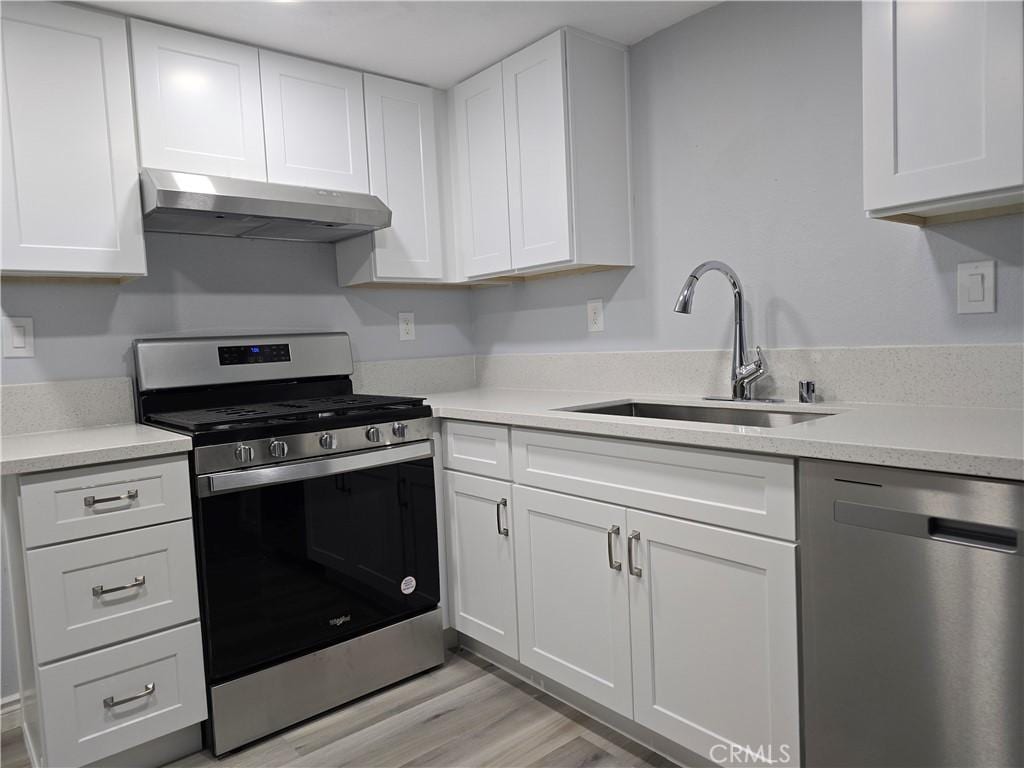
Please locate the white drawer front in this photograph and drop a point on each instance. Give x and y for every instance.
(745, 492)
(481, 449)
(146, 581)
(84, 722)
(89, 501)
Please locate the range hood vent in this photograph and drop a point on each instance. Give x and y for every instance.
(195, 204)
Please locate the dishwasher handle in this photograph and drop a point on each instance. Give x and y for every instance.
(973, 534)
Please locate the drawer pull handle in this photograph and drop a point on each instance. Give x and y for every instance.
(132, 495)
(635, 570)
(615, 565)
(502, 531)
(99, 590)
(110, 701)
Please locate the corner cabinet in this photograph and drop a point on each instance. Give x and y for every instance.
(943, 112)
(542, 160)
(402, 145)
(70, 184)
(198, 103)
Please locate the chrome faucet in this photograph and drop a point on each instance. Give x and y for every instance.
(744, 371)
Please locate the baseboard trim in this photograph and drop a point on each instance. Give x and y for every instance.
(638, 733)
(10, 713)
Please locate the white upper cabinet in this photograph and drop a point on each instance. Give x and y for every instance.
(314, 124)
(401, 141)
(481, 180)
(198, 103)
(563, 195)
(943, 121)
(535, 152)
(70, 181)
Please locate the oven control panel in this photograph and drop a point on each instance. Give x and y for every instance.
(248, 354)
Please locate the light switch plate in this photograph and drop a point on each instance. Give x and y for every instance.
(975, 287)
(19, 338)
(406, 326)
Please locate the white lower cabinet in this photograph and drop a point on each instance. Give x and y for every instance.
(689, 629)
(481, 562)
(118, 698)
(713, 615)
(572, 594)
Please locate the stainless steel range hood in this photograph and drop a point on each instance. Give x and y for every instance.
(195, 204)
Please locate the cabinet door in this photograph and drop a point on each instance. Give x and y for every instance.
(942, 100)
(481, 566)
(714, 637)
(572, 594)
(402, 149)
(533, 81)
(198, 103)
(481, 173)
(70, 182)
(313, 118)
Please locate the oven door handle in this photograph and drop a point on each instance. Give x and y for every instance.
(226, 482)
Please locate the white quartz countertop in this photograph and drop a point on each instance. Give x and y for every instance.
(40, 451)
(986, 442)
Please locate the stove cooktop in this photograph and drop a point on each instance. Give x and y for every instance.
(245, 421)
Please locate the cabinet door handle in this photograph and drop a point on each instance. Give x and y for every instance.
(635, 570)
(502, 531)
(149, 690)
(614, 564)
(91, 501)
(99, 590)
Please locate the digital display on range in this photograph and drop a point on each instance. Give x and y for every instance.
(250, 354)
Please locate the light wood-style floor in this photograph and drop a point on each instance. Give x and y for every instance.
(468, 713)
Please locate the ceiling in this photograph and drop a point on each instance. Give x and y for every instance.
(435, 43)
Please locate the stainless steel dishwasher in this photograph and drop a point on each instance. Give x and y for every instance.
(912, 610)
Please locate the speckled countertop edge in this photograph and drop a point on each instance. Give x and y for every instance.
(982, 442)
(42, 451)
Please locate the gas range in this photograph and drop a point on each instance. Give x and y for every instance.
(243, 420)
(316, 524)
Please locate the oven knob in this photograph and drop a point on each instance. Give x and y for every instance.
(373, 434)
(278, 449)
(244, 454)
(328, 441)
(398, 429)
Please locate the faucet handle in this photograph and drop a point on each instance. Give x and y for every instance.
(754, 366)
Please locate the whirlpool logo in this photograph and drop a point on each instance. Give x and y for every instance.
(337, 621)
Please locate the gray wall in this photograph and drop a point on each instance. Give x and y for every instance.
(210, 284)
(746, 126)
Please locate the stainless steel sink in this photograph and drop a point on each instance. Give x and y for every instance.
(744, 417)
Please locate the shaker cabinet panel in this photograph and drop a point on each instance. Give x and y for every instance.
(536, 152)
(572, 594)
(483, 205)
(943, 90)
(402, 148)
(481, 560)
(198, 103)
(70, 182)
(714, 635)
(314, 123)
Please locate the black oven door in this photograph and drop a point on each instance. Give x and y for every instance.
(300, 556)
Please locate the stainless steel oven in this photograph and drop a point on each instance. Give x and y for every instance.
(315, 519)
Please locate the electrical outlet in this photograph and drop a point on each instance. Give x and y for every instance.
(19, 339)
(595, 315)
(406, 326)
